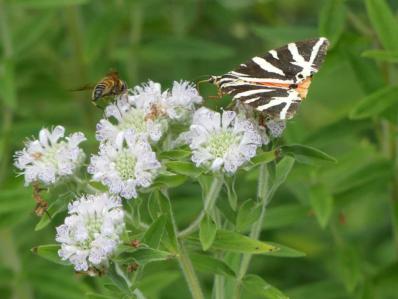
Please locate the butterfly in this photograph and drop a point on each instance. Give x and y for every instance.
(276, 82)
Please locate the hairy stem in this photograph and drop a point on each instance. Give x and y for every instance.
(209, 202)
(189, 273)
(262, 195)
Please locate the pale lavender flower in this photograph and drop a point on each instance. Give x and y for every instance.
(91, 231)
(125, 165)
(222, 141)
(51, 157)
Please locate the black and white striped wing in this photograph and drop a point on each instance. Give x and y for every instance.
(271, 83)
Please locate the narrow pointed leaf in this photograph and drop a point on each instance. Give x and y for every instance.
(209, 264)
(384, 23)
(322, 203)
(232, 241)
(332, 19)
(248, 213)
(207, 232)
(307, 154)
(258, 287)
(184, 168)
(376, 103)
(153, 235)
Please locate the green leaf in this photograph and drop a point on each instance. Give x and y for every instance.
(176, 154)
(381, 55)
(384, 22)
(209, 264)
(248, 213)
(376, 103)
(155, 282)
(232, 241)
(169, 181)
(207, 232)
(283, 251)
(260, 288)
(143, 255)
(264, 157)
(165, 206)
(283, 169)
(153, 235)
(184, 168)
(48, 3)
(306, 154)
(50, 253)
(115, 274)
(322, 202)
(350, 268)
(54, 208)
(332, 19)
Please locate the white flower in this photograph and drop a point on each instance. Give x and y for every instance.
(276, 127)
(51, 156)
(125, 165)
(127, 117)
(182, 100)
(91, 232)
(226, 140)
(177, 104)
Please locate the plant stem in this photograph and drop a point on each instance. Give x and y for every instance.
(209, 202)
(262, 196)
(189, 273)
(8, 113)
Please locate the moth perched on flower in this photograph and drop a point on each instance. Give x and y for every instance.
(51, 157)
(91, 231)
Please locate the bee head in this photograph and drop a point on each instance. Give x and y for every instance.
(123, 86)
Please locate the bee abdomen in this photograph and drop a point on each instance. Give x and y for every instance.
(98, 91)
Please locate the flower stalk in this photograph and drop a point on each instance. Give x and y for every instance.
(262, 195)
(209, 203)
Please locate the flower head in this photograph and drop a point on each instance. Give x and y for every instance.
(125, 165)
(51, 157)
(127, 117)
(177, 104)
(222, 140)
(91, 232)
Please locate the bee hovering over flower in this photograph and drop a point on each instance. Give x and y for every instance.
(110, 85)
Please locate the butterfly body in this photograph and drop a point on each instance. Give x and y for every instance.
(277, 82)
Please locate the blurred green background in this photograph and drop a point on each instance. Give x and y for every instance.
(349, 232)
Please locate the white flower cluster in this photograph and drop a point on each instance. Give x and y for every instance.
(51, 157)
(124, 165)
(91, 232)
(222, 141)
(126, 160)
(147, 110)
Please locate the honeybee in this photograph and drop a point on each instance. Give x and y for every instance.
(110, 85)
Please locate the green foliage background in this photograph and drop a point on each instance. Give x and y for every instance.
(343, 215)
